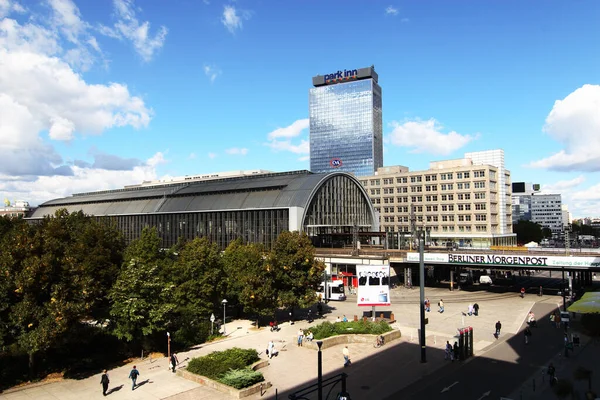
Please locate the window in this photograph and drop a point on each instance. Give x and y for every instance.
(444, 207)
(444, 218)
(481, 228)
(372, 191)
(375, 182)
(444, 197)
(480, 217)
(479, 185)
(479, 174)
(467, 196)
(467, 217)
(467, 185)
(388, 181)
(459, 186)
(459, 175)
(435, 198)
(450, 207)
(461, 218)
(480, 206)
(460, 196)
(435, 208)
(451, 197)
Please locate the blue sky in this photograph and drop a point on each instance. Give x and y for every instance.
(102, 94)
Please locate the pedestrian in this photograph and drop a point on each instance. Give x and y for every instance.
(476, 309)
(557, 319)
(104, 381)
(133, 375)
(498, 328)
(455, 353)
(300, 337)
(522, 292)
(174, 361)
(320, 309)
(344, 319)
(470, 310)
(310, 317)
(527, 334)
(270, 349)
(551, 372)
(541, 293)
(448, 351)
(346, 354)
(427, 305)
(441, 306)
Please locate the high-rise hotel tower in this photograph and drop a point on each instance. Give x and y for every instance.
(346, 122)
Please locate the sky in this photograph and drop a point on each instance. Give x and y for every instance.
(101, 94)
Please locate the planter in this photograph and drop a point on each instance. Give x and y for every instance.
(233, 392)
(352, 338)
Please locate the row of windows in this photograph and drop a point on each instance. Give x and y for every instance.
(448, 176)
(429, 198)
(430, 188)
(443, 228)
(436, 218)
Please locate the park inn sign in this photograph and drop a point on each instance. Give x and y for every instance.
(507, 260)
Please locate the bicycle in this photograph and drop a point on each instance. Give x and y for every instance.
(380, 341)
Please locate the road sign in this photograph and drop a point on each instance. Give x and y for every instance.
(212, 317)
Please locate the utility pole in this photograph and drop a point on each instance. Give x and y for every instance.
(421, 235)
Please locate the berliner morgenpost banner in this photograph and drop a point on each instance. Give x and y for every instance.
(373, 285)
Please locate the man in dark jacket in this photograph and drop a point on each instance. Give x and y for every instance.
(174, 361)
(133, 375)
(498, 327)
(104, 381)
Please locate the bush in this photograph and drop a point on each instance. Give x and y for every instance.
(241, 378)
(328, 329)
(216, 364)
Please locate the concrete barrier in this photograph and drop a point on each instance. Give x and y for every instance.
(352, 338)
(235, 393)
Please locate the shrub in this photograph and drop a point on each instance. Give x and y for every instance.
(328, 329)
(241, 378)
(216, 364)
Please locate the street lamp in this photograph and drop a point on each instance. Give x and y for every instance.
(168, 345)
(320, 371)
(224, 316)
(421, 236)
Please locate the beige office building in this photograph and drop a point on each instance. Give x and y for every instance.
(465, 202)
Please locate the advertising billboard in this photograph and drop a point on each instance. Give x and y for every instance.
(373, 285)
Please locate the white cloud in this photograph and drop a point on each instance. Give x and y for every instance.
(61, 128)
(562, 186)
(391, 10)
(7, 7)
(212, 156)
(304, 158)
(290, 131)
(212, 72)
(128, 27)
(575, 123)
(232, 18)
(427, 137)
(67, 17)
(237, 151)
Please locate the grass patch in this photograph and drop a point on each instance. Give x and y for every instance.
(328, 329)
(229, 367)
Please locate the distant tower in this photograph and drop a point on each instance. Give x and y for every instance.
(346, 130)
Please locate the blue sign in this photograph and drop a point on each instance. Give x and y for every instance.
(341, 75)
(335, 162)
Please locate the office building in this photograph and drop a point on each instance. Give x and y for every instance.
(463, 202)
(254, 207)
(546, 210)
(521, 200)
(346, 131)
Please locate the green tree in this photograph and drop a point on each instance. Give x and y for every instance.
(297, 273)
(250, 279)
(142, 298)
(199, 285)
(527, 231)
(62, 269)
(546, 233)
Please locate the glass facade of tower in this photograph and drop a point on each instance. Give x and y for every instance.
(346, 128)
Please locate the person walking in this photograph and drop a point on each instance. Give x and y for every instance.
(133, 375)
(346, 354)
(455, 353)
(448, 351)
(270, 349)
(300, 337)
(441, 305)
(104, 381)
(498, 328)
(557, 319)
(476, 309)
(174, 361)
(527, 334)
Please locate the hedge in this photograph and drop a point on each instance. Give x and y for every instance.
(229, 367)
(328, 329)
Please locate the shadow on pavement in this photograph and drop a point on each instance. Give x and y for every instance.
(115, 389)
(396, 372)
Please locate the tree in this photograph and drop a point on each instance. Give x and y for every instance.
(297, 274)
(199, 285)
(527, 231)
(546, 233)
(141, 298)
(62, 269)
(250, 279)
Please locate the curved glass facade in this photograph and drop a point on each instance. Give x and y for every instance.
(340, 206)
(346, 128)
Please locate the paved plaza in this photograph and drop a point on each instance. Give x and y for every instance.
(375, 372)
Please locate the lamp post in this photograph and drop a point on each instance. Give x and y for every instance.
(168, 345)
(319, 371)
(224, 315)
(420, 235)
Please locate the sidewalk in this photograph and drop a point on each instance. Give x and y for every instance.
(294, 367)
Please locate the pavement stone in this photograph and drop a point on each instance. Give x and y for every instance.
(374, 370)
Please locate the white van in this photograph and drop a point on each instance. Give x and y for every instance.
(485, 280)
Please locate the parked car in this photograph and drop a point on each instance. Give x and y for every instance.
(485, 280)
